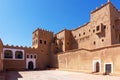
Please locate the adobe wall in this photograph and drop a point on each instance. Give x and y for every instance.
(115, 24)
(82, 60)
(42, 40)
(87, 36)
(14, 64)
(100, 17)
(1, 60)
(10, 64)
(81, 35)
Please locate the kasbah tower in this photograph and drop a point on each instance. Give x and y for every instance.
(93, 47)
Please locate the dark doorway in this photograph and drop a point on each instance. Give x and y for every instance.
(30, 65)
(97, 67)
(108, 68)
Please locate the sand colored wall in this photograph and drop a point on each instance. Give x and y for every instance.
(64, 37)
(85, 36)
(84, 52)
(43, 40)
(82, 60)
(10, 64)
(41, 60)
(81, 35)
(115, 24)
(100, 17)
(75, 50)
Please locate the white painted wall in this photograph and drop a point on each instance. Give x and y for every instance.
(13, 50)
(34, 63)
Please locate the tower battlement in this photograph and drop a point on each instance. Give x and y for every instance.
(41, 36)
(40, 29)
(17, 46)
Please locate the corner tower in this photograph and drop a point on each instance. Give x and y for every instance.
(102, 20)
(42, 39)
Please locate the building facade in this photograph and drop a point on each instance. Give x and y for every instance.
(92, 48)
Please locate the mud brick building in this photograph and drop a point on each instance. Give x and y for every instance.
(92, 47)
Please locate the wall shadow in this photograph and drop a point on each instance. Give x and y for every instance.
(2, 76)
(12, 75)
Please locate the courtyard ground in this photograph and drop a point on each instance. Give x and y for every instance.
(55, 75)
(2, 76)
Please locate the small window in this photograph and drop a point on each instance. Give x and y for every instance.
(104, 26)
(98, 28)
(67, 43)
(79, 34)
(57, 48)
(84, 33)
(74, 36)
(93, 30)
(40, 41)
(35, 35)
(94, 42)
(31, 56)
(35, 56)
(18, 54)
(44, 42)
(8, 54)
(113, 26)
(102, 40)
(61, 43)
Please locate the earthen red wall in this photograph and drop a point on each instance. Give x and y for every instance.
(82, 60)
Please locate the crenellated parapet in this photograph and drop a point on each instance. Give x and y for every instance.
(41, 37)
(17, 46)
(41, 29)
(103, 5)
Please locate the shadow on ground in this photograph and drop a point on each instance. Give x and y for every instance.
(2, 76)
(11, 77)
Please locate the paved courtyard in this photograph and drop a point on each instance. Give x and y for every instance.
(55, 75)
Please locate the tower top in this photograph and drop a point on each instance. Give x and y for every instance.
(108, 0)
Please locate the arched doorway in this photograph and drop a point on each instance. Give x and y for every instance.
(30, 65)
(97, 67)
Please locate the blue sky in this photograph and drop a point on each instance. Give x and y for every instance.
(19, 18)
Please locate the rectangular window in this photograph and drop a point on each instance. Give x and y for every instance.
(44, 42)
(40, 41)
(35, 56)
(97, 28)
(31, 56)
(108, 68)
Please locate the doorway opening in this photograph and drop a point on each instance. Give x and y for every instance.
(97, 67)
(30, 65)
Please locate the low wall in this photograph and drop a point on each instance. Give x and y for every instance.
(84, 60)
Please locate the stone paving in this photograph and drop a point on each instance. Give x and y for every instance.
(2, 76)
(55, 75)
